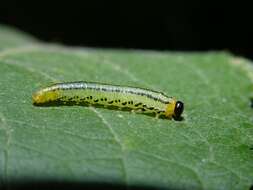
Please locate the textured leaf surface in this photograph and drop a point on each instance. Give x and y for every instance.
(210, 149)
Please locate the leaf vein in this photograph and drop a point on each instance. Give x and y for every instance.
(116, 139)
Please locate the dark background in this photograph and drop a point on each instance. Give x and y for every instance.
(175, 25)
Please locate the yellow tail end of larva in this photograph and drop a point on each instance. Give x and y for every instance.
(41, 97)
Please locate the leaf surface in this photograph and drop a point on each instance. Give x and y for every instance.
(210, 149)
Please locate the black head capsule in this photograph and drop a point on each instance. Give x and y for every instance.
(179, 108)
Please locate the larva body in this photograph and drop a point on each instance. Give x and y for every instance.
(143, 100)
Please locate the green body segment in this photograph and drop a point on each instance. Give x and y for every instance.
(143, 100)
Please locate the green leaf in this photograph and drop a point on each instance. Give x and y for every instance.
(212, 148)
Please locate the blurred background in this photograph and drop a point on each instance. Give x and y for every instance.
(174, 25)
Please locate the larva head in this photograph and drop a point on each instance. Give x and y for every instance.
(174, 109)
(179, 108)
(44, 96)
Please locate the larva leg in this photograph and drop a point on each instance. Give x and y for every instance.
(122, 108)
(136, 111)
(169, 117)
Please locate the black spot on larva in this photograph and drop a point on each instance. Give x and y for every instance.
(116, 101)
(151, 108)
(105, 99)
(90, 97)
(132, 102)
(158, 112)
(136, 105)
(82, 99)
(119, 100)
(144, 105)
(96, 100)
(102, 99)
(143, 109)
(110, 102)
(124, 103)
(63, 97)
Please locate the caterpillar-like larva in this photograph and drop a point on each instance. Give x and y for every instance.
(137, 99)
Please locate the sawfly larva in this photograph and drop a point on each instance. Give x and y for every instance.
(136, 99)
